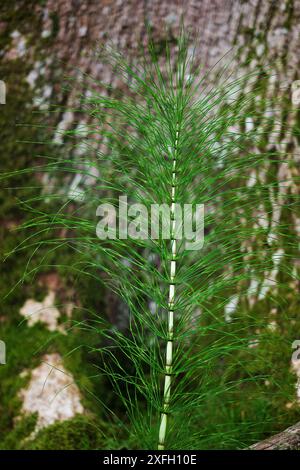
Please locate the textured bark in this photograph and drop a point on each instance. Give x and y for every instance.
(265, 33)
(259, 32)
(289, 439)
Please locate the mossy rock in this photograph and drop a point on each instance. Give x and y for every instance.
(79, 433)
(23, 428)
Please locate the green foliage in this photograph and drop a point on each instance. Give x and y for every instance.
(24, 427)
(79, 433)
(167, 115)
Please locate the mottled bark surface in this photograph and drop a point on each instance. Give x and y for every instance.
(265, 34)
(44, 42)
(289, 439)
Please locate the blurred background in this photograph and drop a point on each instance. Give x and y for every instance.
(51, 392)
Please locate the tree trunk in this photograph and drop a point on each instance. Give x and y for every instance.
(289, 439)
(56, 38)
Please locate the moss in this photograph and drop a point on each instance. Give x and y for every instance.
(20, 150)
(79, 433)
(23, 428)
(20, 16)
(55, 23)
(263, 407)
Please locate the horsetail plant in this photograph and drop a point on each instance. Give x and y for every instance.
(165, 142)
(169, 350)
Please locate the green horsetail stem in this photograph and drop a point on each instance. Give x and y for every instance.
(169, 349)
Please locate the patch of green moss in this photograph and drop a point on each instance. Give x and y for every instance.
(23, 428)
(79, 433)
(20, 150)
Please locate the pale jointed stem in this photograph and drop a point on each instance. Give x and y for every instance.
(169, 349)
